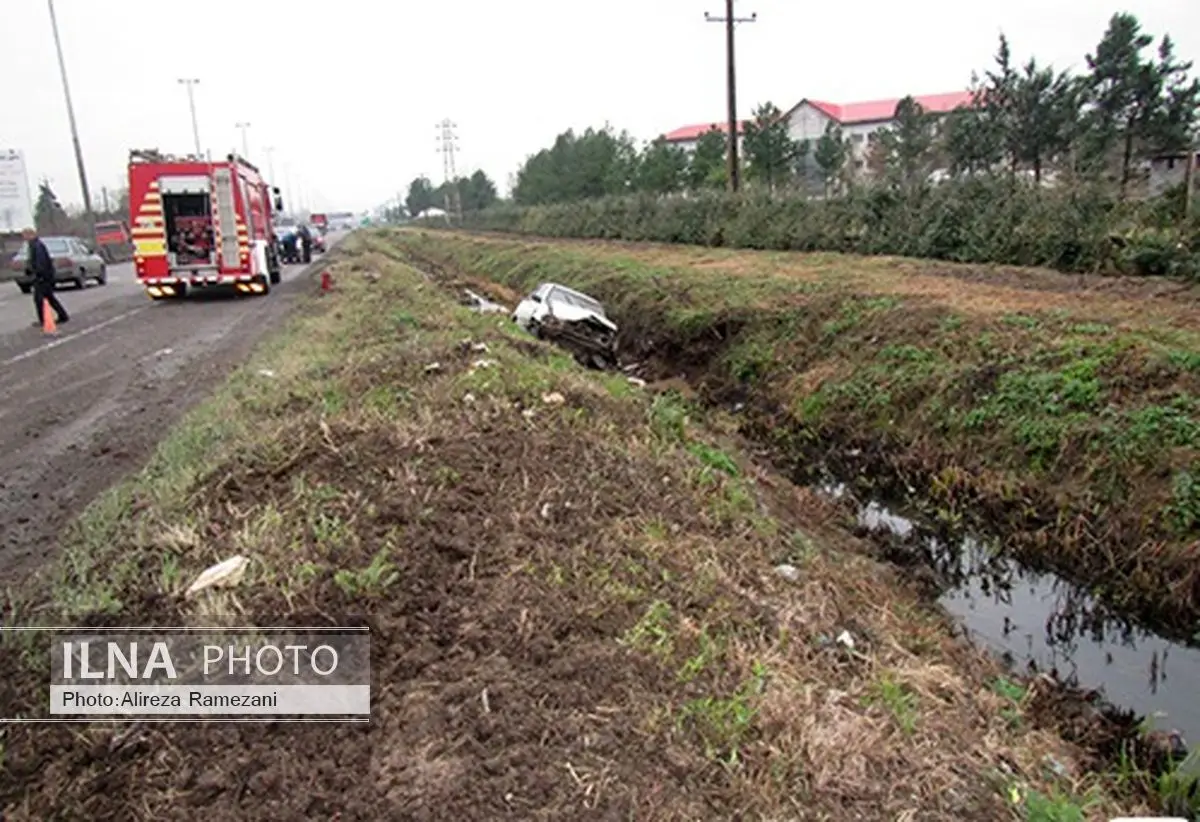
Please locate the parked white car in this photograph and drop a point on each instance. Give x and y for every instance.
(553, 311)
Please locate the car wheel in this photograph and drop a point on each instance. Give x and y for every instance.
(103, 278)
(81, 280)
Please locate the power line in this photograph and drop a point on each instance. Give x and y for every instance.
(731, 84)
(447, 145)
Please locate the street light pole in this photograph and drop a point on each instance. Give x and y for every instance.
(245, 141)
(731, 84)
(192, 105)
(62, 67)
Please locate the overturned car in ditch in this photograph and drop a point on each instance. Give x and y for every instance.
(571, 319)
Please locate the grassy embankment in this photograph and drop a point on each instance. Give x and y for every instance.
(572, 598)
(1062, 412)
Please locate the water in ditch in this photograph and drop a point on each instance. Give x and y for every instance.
(1040, 621)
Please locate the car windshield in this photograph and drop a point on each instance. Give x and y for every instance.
(57, 247)
(561, 295)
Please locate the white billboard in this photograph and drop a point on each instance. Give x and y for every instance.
(16, 205)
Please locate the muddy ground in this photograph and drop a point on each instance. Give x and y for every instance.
(83, 409)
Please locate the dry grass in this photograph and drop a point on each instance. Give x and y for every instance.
(579, 615)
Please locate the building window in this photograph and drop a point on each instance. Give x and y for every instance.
(856, 138)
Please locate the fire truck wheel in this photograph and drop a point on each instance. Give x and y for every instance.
(266, 284)
(274, 276)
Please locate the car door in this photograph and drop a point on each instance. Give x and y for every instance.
(81, 258)
(542, 307)
(97, 262)
(527, 310)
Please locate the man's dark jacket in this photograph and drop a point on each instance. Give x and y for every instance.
(39, 263)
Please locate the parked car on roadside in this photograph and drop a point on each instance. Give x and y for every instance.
(74, 263)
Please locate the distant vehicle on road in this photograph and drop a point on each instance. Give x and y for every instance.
(114, 243)
(318, 239)
(342, 221)
(73, 263)
(321, 221)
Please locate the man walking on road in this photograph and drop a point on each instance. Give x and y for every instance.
(40, 264)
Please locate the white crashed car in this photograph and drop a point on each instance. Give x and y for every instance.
(565, 315)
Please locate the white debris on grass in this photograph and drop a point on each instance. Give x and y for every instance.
(221, 575)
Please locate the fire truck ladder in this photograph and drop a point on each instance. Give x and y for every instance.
(226, 227)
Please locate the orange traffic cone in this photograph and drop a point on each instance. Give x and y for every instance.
(48, 326)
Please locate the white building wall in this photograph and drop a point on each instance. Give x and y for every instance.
(690, 145)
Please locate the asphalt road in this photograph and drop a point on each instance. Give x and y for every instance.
(81, 409)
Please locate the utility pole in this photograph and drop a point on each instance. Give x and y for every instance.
(448, 142)
(245, 141)
(731, 85)
(270, 152)
(190, 83)
(83, 185)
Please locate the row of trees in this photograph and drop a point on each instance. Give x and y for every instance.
(1128, 106)
(470, 194)
(50, 217)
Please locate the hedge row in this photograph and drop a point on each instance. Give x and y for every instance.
(970, 221)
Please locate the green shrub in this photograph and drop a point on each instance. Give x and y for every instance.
(984, 220)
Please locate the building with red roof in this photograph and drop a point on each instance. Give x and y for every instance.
(808, 119)
(686, 137)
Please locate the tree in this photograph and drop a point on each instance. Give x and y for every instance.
(970, 140)
(478, 192)
(1175, 124)
(830, 156)
(593, 164)
(905, 150)
(1000, 105)
(1136, 106)
(1118, 84)
(48, 214)
(420, 196)
(1044, 107)
(770, 151)
(662, 168)
(708, 167)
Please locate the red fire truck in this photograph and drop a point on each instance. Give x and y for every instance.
(200, 224)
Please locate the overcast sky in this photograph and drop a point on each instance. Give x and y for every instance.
(349, 92)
